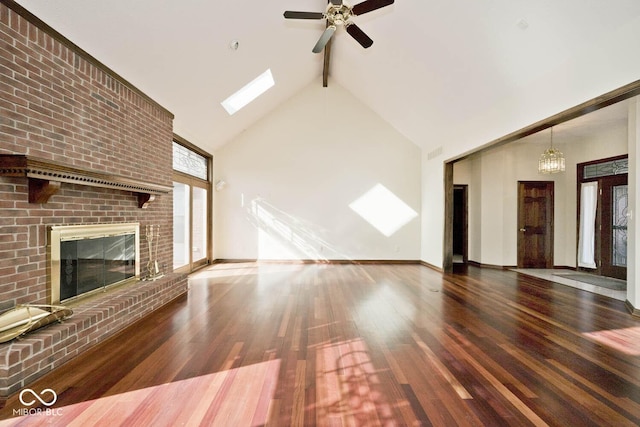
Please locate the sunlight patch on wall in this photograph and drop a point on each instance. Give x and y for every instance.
(385, 211)
(270, 247)
(284, 236)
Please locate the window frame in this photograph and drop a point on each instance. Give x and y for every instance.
(193, 181)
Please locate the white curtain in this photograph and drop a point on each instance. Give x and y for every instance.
(586, 239)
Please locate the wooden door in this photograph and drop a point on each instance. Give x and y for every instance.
(613, 226)
(535, 224)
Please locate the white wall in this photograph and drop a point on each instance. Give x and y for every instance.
(292, 176)
(492, 177)
(432, 210)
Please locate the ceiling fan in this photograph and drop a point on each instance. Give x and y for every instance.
(340, 13)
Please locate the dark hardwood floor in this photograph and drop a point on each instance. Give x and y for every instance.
(359, 345)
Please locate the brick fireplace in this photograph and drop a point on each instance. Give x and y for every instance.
(103, 151)
(87, 259)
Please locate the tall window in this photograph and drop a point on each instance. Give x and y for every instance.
(191, 207)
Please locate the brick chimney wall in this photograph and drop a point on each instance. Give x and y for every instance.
(57, 105)
(60, 104)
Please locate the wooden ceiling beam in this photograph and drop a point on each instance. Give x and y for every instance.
(327, 60)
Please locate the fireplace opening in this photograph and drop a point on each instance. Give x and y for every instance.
(88, 258)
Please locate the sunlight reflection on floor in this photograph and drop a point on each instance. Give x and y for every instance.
(349, 390)
(625, 340)
(243, 269)
(236, 397)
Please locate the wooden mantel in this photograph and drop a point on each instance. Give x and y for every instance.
(45, 178)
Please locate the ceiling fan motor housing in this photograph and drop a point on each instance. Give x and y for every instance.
(338, 14)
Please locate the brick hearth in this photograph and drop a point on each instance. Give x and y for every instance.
(24, 360)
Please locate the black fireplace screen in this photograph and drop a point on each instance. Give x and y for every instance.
(90, 264)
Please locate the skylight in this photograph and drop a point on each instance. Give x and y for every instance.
(249, 92)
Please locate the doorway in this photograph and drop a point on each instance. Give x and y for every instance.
(602, 241)
(535, 224)
(190, 224)
(460, 223)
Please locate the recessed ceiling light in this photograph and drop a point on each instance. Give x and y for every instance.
(249, 92)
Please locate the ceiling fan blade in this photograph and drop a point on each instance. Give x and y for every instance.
(324, 39)
(369, 5)
(303, 15)
(355, 32)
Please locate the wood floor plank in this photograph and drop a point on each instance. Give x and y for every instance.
(633, 408)
(602, 413)
(358, 345)
(299, 394)
(439, 367)
(198, 412)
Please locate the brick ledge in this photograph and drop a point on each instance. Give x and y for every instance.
(25, 360)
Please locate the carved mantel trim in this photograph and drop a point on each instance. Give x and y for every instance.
(45, 178)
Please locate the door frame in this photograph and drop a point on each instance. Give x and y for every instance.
(599, 244)
(549, 246)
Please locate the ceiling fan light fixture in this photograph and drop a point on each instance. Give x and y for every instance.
(338, 13)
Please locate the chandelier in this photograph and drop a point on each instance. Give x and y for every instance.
(552, 160)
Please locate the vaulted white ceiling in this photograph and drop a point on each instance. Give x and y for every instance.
(433, 62)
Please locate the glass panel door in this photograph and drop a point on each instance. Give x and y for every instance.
(619, 225)
(181, 225)
(613, 226)
(199, 230)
